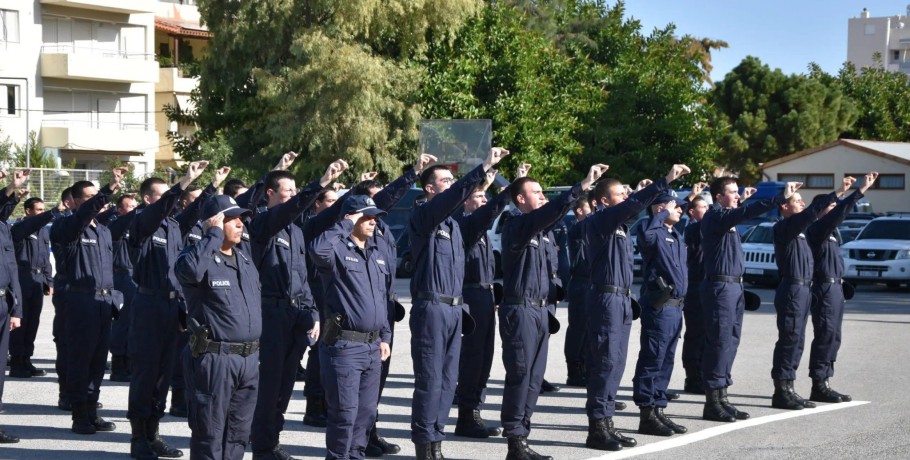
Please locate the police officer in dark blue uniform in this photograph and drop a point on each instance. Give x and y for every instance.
(525, 318)
(31, 238)
(609, 301)
(694, 338)
(58, 300)
(357, 332)
(722, 294)
(90, 299)
(119, 226)
(477, 349)
(158, 306)
(663, 291)
(438, 309)
(793, 295)
(224, 313)
(828, 290)
(579, 281)
(288, 312)
(11, 295)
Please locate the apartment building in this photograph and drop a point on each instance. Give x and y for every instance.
(887, 36)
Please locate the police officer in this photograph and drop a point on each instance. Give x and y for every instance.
(158, 305)
(437, 308)
(357, 332)
(11, 295)
(579, 280)
(65, 208)
(827, 288)
(722, 293)
(693, 316)
(525, 319)
(288, 312)
(609, 301)
(90, 299)
(793, 295)
(477, 349)
(221, 285)
(663, 290)
(119, 226)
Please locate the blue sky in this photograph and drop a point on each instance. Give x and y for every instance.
(783, 34)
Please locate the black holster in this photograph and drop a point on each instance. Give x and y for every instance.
(199, 337)
(332, 328)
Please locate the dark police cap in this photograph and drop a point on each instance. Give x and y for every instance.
(753, 301)
(225, 204)
(361, 203)
(667, 197)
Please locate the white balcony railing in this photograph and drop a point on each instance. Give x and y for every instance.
(97, 124)
(64, 48)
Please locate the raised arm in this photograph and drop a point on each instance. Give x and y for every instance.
(29, 225)
(195, 260)
(475, 226)
(392, 193)
(792, 226)
(322, 250)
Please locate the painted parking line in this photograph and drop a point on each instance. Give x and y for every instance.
(679, 441)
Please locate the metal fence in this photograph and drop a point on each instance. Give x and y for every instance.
(48, 183)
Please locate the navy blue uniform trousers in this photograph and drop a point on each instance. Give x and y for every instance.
(694, 338)
(525, 334)
(152, 346)
(609, 320)
(792, 304)
(477, 349)
(120, 329)
(576, 333)
(221, 396)
(59, 333)
(723, 305)
(660, 331)
(4, 341)
(22, 340)
(86, 341)
(350, 375)
(827, 318)
(435, 351)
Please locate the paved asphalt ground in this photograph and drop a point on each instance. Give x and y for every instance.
(873, 368)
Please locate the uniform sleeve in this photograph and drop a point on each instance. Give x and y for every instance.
(385, 332)
(824, 227)
(608, 220)
(316, 225)
(729, 218)
(190, 215)
(46, 270)
(193, 263)
(393, 193)
(120, 225)
(792, 226)
(29, 225)
(104, 218)
(16, 310)
(322, 250)
(523, 227)
(151, 217)
(250, 198)
(650, 231)
(425, 218)
(67, 229)
(267, 224)
(7, 208)
(473, 227)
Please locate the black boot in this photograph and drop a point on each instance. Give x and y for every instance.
(693, 382)
(315, 413)
(648, 423)
(18, 367)
(713, 410)
(547, 387)
(471, 425)
(424, 451)
(6, 438)
(822, 392)
(377, 446)
(63, 403)
(783, 398)
(736, 413)
(31, 367)
(139, 445)
(805, 402)
(178, 403)
(619, 405)
(671, 395)
(519, 450)
(436, 450)
(120, 368)
(158, 446)
(624, 441)
(100, 423)
(82, 421)
(576, 375)
(277, 453)
(677, 428)
(598, 436)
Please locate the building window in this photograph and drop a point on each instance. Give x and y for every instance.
(870, 29)
(9, 26)
(895, 55)
(9, 100)
(815, 181)
(884, 182)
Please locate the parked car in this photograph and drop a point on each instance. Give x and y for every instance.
(880, 253)
(759, 260)
(849, 234)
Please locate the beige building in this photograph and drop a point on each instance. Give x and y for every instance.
(822, 168)
(889, 36)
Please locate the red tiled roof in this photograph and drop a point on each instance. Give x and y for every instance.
(182, 28)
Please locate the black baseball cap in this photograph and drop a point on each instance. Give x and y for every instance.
(225, 204)
(667, 197)
(361, 203)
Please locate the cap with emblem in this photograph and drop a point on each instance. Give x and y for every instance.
(225, 204)
(666, 197)
(361, 204)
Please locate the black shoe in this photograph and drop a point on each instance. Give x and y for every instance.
(100, 423)
(599, 437)
(139, 445)
(805, 402)
(547, 387)
(120, 368)
(822, 392)
(315, 413)
(301, 373)
(158, 446)
(624, 441)
(736, 413)
(6, 438)
(677, 428)
(436, 450)
(471, 425)
(713, 410)
(783, 398)
(424, 451)
(648, 423)
(82, 419)
(377, 446)
(519, 450)
(672, 395)
(18, 367)
(276, 454)
(619, 405)
(576, 375)
(35, 371)
(63, 403)
(178, 403)
(693, 382)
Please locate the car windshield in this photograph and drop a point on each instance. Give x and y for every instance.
(886, 230)
(760, 234)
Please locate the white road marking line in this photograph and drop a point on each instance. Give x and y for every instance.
(682, 440)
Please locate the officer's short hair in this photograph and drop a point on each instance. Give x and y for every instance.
(696, 200)
(146, 188)
(66, 194)
(273, 178)
(123, 198)
(232, 186)
(580, 203)
(364, 186)
(30, 203)
(189, 189)
(429, 174)
(78, 189)
(517, 186)
(719, 184)
(602, 189)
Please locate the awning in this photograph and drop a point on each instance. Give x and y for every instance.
(185, 103)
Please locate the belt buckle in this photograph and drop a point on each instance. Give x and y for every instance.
(172, 295)
(105, 291)
(292, 302)
(246, 349)
(371, 336)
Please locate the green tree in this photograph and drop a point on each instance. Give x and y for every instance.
(883, 98)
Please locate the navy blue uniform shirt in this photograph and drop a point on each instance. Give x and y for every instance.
(32, 240)
(820, 235)
(120, 233)
(792, 253)
(578, 256)
(721, 245)
(695, 256)
(9, 272)
(479, 263)
(87, 248)
(663, 254)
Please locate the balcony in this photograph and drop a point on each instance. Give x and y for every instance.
(170, 81)
(102, 136)
(110, 6)
(66, 61)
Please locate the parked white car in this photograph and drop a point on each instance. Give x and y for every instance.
(758, 255)
(880, 253)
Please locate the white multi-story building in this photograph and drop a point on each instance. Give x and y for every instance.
(886, 36)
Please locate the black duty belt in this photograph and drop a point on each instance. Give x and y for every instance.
(243, 349)
(674, 302)
(610, 289)
(524, 300)
(78, 290)
(796, 281)
(829, 280)
(121, 271)
(484, 286)
(281, 301)
(725, 279)
(453, 301)
(160, 293)
(360, 337)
